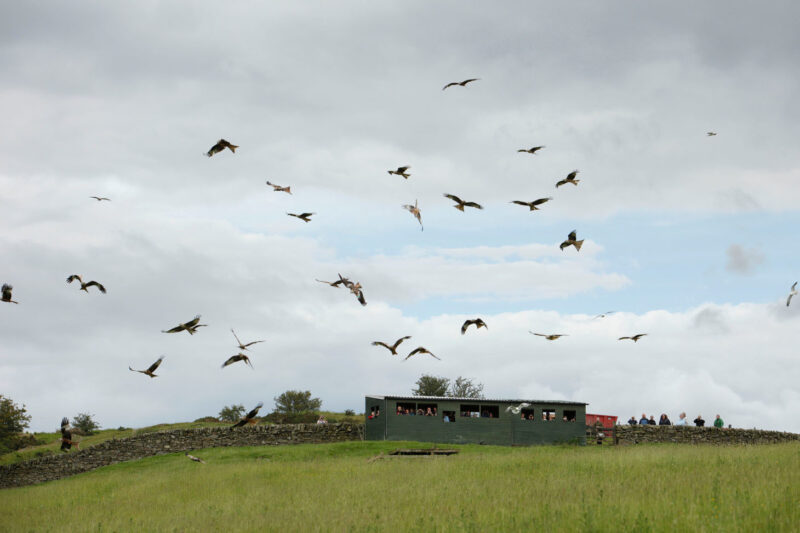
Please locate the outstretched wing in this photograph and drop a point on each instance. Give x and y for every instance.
(361, 299)
(537, 334)
(571, 175)
(155, 365)
(473, 204)
(379, 343)
(573, 235)
(176, 329)
(252, 343)
(237, 338)
(73, 277)
(399, 341)
(520, 202)
(560, 183)
(450, 85)
(189, 325)
(254, 411)
(98, 285)
(540, 201)
(402, 170)
(455, 198)
(465, 82)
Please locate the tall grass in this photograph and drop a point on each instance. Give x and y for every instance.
(334, 487)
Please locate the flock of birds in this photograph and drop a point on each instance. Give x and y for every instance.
(355, 288)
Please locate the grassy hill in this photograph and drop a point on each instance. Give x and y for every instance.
(483, 488)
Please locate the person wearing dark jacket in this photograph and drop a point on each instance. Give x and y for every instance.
(699, 422)
(664, 421)
(632, 421)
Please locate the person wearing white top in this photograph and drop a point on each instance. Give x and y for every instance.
(681, 420)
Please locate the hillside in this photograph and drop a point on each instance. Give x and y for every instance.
(336, 486)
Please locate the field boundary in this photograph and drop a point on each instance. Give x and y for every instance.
(113, 451)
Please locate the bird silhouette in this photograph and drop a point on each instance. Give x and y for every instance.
(534, 204)
(634, 338)
(461, 204)
(478, 322)
(278, 188)
(792, 292)
(6, 294)
(711, 133)
(85, 286)
(461, 83)
(420, 349)
(603, 315)
(414, 210)
(150, 369)
(531, 150)
(346, 282)
(249, 418)
(193, 458)
(517, 408)
(101, 198)
(305, 217)
(549, 336)
(190, 326)
(401, 171)
(572, 241)
(243, 346)
(236, 358)
(569, 179)
(393, 347)
(220, 146)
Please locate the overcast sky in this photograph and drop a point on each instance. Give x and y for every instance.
(690, 238)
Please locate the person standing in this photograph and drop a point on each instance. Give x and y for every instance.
(681, 420)
(643, 421)
(632, 421)
(664, 421)
(718, 423)
(699, 422)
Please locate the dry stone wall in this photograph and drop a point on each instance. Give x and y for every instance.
(700, 435)
(162, 442)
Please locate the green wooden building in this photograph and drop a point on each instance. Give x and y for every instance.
(470, 420)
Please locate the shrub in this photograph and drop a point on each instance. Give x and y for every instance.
(349, 412)
(231, 413)
(85, 424)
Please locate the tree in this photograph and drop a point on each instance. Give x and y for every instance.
(84, 422)
(13, 421)
(293, 402)
(431, 386)
(465, 388)
(231, 413)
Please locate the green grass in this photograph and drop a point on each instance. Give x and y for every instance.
(333, 487)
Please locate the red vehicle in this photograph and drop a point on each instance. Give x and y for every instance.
(607, 420)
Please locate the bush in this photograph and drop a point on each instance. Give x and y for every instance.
(13, 421)
(207, 419)
(295, 402)
(349, 412)
(85, 424)
(231, 413)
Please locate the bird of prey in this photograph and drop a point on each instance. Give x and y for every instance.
(461, 83)
(393, 347)
(792, 292)
(305, 217)
(603, 315)
(235, 358)
(190, 326)
(569, 179)
(220, 146)
(532, 205)
(517, 408)
(151, 369)
(66, 435)
(414, 210)
(550, 336)
(711, 133)
(243, 346)
(355, 289)
(336, 283)
(85, 286)
(6, 294)
(420, 349)
(278, 188)
(193, 458)
(461, 204)
(634, 338)
(249, 418)
(478, 322)
(101, 198)
(572, 241)
(401, 171)
(531, 150)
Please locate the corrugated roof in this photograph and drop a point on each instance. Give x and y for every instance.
(473, 400)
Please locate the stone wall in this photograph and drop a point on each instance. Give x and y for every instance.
(696, 435)
(162, 442)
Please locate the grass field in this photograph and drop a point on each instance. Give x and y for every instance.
(484, 488)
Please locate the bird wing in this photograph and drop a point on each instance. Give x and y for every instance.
(399, 341)
(230, 360)
(237, 338)
(254, 412)
(176, 329)
(64, 424)
(639, 336)
(624, 338)
(155, 365)
(417, 350)
(73, 277)
(454, 198)
(465, 325)
(450, 85)
(520, 202)
(473, 204)
(402, 170)
(379, 343)
(98, 285)
(192, 323)
(794, 285)
(540, 201)
(361, 298)
(251, 343)
(789, 299)
(480, 323)
(306, 215)
(560, 183)
(465, 82)
(573, 235)
(571, 175)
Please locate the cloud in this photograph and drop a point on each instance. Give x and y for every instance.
(741, 260)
